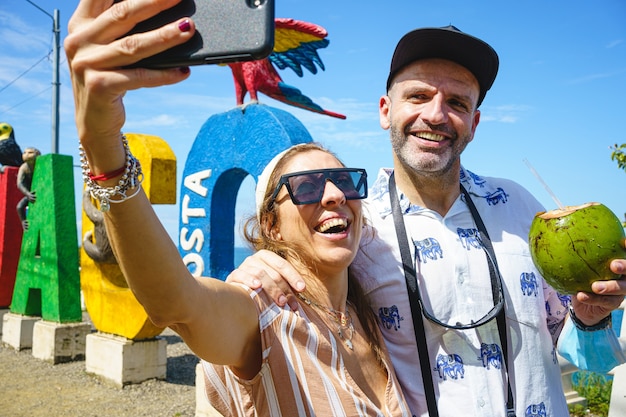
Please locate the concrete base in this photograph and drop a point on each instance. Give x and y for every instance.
(3, 311)
(123, 361)
(59, 342)
(17, 330)
(203, 406)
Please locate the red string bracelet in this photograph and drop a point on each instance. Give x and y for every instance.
(108, 175)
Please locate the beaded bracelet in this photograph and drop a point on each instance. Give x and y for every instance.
(132, 177)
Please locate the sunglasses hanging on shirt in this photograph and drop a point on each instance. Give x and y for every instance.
(417, 307)
(497, 293)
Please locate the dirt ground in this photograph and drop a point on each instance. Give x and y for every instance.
(31, 387)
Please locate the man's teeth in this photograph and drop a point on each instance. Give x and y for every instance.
(431, 136)
(336, 224)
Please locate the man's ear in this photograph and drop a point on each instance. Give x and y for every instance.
(384, 110)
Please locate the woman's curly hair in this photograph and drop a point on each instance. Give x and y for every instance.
(259, 232)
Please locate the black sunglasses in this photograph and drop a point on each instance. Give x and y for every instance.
(496, 284)
(307, 187)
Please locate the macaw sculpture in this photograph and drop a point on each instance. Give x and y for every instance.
(10, 151)
(295, 46)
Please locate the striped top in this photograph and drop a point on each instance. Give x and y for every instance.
(302, 373)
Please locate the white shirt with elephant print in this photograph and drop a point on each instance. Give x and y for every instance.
(453, 276)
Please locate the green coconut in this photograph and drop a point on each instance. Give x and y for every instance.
(573, 247)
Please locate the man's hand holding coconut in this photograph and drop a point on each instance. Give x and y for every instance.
(581, 251)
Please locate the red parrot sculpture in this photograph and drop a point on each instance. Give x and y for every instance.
(295, 46)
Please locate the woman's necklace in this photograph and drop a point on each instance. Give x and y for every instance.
(345, 328)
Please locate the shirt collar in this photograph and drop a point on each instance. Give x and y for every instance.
(379, 192)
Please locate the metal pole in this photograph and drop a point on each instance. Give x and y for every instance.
(55, 83)
(55, 75)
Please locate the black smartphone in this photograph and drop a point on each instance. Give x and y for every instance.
(226, 31)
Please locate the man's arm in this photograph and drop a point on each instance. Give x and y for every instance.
(275, 275)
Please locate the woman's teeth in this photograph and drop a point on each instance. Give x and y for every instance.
(333, 226)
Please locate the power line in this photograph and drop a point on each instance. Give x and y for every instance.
(25, 72)
(55, 74)
(24, 101)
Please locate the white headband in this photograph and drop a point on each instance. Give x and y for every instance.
(264, 179)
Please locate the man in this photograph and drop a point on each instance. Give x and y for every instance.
(487, 322)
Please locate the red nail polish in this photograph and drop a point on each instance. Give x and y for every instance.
(185, 25)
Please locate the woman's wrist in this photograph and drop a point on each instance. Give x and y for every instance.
(114, 186)
(104, 155)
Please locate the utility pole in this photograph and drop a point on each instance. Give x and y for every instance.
(56, 84)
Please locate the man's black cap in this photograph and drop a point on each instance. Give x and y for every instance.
(447, 43)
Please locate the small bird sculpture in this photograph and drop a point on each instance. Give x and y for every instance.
(10, 151)
(295, 46)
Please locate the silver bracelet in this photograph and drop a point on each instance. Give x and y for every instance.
(131, 179)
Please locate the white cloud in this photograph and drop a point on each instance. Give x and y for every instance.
(510, 113)
(598, 76)
(160, 120)
(19, 35)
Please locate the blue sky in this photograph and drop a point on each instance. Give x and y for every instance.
(558, 100)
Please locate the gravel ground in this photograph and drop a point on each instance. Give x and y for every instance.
(31, 387)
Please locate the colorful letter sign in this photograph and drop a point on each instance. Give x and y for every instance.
(10, 233)
(112, 306)
(228, 147)
(47, 282)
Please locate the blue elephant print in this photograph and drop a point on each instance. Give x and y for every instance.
(450, 366)
(491, 355)
(565, 299)
(479, 181)
(470, 238)
(497, 196)
(528, 281)
(538, 410)
(390, 317)
(428, 248)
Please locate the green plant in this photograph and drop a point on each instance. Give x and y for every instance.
(619, 155)
(596, 388)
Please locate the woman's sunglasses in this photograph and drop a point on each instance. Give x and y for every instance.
(307, 187)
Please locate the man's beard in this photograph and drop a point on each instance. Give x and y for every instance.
(420, 161)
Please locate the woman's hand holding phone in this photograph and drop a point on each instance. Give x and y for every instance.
(226, 31)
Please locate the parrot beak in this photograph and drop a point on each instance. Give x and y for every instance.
(5, 131)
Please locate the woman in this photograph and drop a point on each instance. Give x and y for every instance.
(326, 357)
(329, 361)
